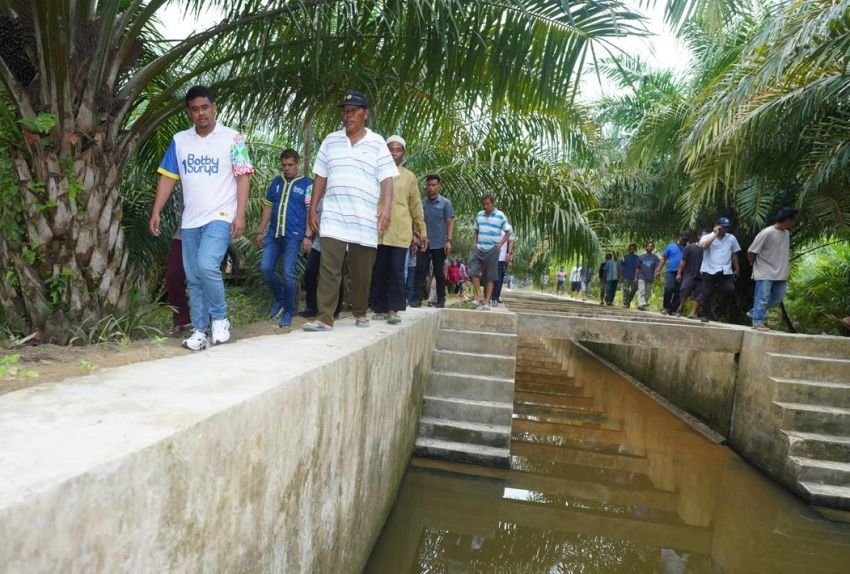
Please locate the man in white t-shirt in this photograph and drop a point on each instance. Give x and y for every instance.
(719, 267)
(211, 162)
(769, 255)
(353, 170)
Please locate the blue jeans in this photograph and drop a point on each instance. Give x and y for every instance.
(768, 294)
(410, 284)
(204, 249)
(282, 291)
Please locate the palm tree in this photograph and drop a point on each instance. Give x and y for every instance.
(88, 83)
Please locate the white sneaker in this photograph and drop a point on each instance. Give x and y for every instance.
(220, 331)
(197, 341)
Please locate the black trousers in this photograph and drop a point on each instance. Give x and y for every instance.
(423, 260)
(724, 284)
(311, 283)
(671, 292)
(388, 280)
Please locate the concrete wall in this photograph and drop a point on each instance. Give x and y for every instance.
(275, 454)
(701, 383)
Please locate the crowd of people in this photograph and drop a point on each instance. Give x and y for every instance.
(698, 271)
(361, 210)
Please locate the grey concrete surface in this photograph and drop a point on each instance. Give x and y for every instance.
(274, 454)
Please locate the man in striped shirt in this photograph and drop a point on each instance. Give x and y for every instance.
(492, 230)
(353, 170)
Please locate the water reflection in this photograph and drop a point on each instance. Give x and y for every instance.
(602, 480)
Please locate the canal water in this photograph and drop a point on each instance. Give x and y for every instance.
(603, 480)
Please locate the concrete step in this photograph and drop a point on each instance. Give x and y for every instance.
(578, 420)
(476, 387)
(546, 410)
(490, 322)
(529, 368)
(809, 368)
(464, 432)
(549, 399)
(811, 392)
(477, 342)
(819, 446)
(473, 364)
(812, 470)
(556, 379)
(576, 433)
(468, 410)
(579, 456)
(555, 389)
(460, 452)
(828, 495)
(814, 418)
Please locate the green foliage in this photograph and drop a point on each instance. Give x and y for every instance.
(137, 322)
(11, 216)
(819, 289)
(40, 124)
(9, 367)
(57, 285)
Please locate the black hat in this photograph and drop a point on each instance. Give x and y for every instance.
(354, 99)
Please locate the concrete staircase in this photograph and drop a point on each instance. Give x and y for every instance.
(811, 398)
(466, 416)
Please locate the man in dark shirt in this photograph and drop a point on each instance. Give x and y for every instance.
(646, 274)
(690, 278)
(439, 221)
(629, 273)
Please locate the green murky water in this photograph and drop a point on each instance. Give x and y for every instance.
(603, 480)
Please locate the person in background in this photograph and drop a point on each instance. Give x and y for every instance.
(410, 276)
(285, 207)
(492, 230)
(671, 257)
(175, 282)
(311, 277)
(720, 267)
(575, 280)
(603, 285)
(629, 268)
(452, 276)
(388, 288)
(561, 282)
(439, 221)
(769, 254)
(505, 257)
(612, 277)
(646, 274)
(690, 279)
(463, 278)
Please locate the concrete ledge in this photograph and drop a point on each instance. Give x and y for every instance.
(672, 333)
(275, 454)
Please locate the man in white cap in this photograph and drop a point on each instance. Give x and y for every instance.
(388, 293)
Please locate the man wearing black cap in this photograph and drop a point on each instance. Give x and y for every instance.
(719, 266)
(353, 169)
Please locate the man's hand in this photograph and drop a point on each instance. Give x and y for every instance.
(736, 273)
(313, 221)
(306, 246)
(237, 228)
(423, 244)
(153, 224)
(448, 246)
(383, 219)
(717, 229)
(259, 239)
(678, 277)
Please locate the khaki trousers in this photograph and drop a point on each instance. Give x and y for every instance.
(360, 262)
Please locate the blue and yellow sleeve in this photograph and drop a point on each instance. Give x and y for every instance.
(169, 167)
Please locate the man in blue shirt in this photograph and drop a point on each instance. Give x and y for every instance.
(439, 223)
(492, 230)
(672, 256)
(629, 273)
(285, 205)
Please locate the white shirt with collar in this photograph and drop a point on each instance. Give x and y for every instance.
(718, 256)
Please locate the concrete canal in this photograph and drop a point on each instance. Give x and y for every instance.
(602, 479)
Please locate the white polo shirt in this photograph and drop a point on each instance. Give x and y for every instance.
(354, 174)
(207, 168)
(718, 256)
